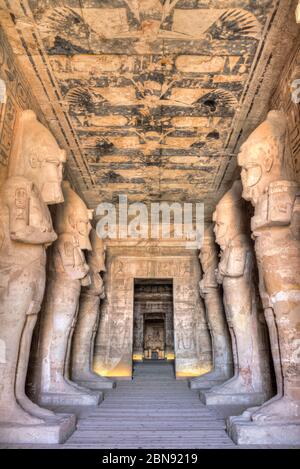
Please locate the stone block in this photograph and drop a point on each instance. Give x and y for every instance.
(246, 399)
(97, 384)
(54, 431)
(202, 383)
(245, 432)
(48, 399)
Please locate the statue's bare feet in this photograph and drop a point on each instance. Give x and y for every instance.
(35, 410)
(215, 375)
(65, 386)
(281, 410)
(90, 376)
(220, 387)
(81, 389)
(16, 415)
(236, 385)
(247, 414)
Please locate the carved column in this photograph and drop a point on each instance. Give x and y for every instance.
(250, 384)
(68, 271)
(211, 293)
(276, 230)
(25, 231)
(88, 319)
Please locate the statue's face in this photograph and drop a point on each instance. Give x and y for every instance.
(256, 163)
(221, 227)
(79, 222)
(46, 171)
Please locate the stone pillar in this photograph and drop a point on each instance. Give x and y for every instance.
(276, 230)
(25, 232)
(68, 271)
(138, 330)
(211, 293)
(169, 330)
(88, 319)
(250, 384)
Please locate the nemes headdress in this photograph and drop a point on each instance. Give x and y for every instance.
(271, 132)
(33, 144)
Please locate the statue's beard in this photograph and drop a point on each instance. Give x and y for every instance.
(51, 193)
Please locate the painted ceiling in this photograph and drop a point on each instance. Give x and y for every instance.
(152, 91)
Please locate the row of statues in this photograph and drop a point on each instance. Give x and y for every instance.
(257, 320)
(67, 308)
(251, 292)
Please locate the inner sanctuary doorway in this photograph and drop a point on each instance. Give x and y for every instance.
(153, 324)
(130, 273)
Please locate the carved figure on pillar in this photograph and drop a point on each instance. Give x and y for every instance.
(88, 320)
(211, 293)
(35, 175)
(250, 383)
(68, 271)
(276, 230)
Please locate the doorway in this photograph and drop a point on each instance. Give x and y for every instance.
(153, 325)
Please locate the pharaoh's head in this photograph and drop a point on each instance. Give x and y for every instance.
(74, 217)
(261, 156)
(229, 216)
(37, 156)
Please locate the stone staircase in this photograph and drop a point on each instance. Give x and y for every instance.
(151, 411)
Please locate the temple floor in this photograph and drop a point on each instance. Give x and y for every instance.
(154, 410)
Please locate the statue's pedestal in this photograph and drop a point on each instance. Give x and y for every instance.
(97, 383)
(246, 432)
(52, 399)
(54, 431)
(241, 399)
